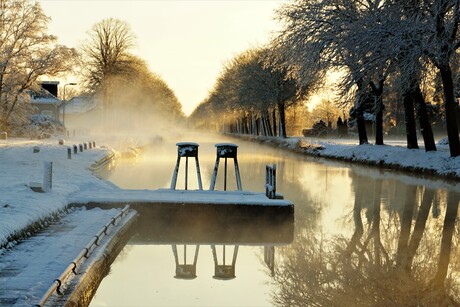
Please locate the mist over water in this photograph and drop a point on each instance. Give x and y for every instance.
(363, 228)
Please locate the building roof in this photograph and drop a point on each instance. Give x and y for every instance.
(42, 96)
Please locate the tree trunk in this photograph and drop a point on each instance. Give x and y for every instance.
(359, 109)
(282, 117)
(246, 124)
(422, 114)
(377, 91)
(406, 224)
(409, 118)
(379, 120)
(361, 126)
(450, 106)
(419, 228)
(446, 241)
(274, 121)
(268, 125)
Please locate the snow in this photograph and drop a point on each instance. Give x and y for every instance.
(393, 155)
(20, 207)
(29, 271)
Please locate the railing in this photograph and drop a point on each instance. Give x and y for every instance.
(85, 253)
(270, 181)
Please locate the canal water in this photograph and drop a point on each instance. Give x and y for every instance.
(359, 236)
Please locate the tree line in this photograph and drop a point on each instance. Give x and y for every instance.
(388, 54)
(108, 70)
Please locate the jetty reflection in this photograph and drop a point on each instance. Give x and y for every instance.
(397, 253)
(223, 230)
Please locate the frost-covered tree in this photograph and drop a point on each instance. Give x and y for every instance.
(367, 41)
(26, 53)
(249, 88)
(439, 29)
(316, 37)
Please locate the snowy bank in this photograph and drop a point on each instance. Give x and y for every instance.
(437, 163)
(22, 162)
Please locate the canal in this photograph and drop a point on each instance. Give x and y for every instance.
(359, 236)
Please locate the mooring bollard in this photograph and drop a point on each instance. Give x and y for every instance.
(85, 146)
(81, 147)
(186, 149)
(69, 153)
(90, 145)
(226, 150)
(75, 149)
(94, 144)
(47, 176)
(36, 149)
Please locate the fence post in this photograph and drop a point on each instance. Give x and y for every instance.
(47, 176)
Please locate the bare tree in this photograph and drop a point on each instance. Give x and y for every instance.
(107, 56)
(26, 53)
(249, 88)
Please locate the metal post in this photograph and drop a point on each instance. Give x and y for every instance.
(174, 178)
(214, 175)
(198, 173)
(186, 172)
(225, 175)
(237, 173)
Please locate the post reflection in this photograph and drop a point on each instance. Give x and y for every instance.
(397, 254)
(223, 270)
(184, 270)
(224, 230)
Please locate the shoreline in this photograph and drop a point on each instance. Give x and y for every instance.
(359, 154)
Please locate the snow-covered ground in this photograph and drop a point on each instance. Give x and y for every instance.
(393, 154)
(20, 207)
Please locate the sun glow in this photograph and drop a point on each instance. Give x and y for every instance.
(185, 42)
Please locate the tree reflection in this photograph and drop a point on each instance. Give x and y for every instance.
(395, 255)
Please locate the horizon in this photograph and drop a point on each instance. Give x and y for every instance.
(180, 49)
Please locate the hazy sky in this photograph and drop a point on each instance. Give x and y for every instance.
(186, 42)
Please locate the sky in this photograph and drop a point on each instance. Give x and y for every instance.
(186, 42)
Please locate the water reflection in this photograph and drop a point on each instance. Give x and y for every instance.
(184, 270)
(210, 255)
(396, 254)
(359, 236)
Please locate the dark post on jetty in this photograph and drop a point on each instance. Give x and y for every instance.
(186, 149)
(226, 150)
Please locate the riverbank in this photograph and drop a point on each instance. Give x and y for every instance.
(395, 156)
(23, 211)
